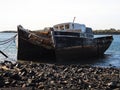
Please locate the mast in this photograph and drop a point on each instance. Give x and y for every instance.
(73, 22)
(74, 19)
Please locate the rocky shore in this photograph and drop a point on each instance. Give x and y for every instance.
(42, 76)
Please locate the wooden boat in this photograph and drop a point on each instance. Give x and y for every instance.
(65, 41)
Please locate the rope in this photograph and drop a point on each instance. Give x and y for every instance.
(7, 40)
(8, 46)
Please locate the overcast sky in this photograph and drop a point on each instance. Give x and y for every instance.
(37, 14)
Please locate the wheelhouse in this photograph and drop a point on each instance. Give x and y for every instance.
(75, 28)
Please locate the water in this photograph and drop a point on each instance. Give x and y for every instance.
(9, 49)
(112, 55)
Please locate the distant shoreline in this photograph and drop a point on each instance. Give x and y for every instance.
(107, 31)
(95, 32)
(8, 32)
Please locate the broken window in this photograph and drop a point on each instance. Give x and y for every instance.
(67, 26)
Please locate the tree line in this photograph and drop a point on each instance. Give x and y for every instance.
(107, 31)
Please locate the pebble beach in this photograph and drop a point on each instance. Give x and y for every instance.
(43, 76)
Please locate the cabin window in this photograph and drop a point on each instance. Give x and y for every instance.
(61, 27)
(56, 27)
(66, 26)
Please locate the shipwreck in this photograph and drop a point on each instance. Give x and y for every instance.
(65, 41)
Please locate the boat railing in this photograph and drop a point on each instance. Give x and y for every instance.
(73, 34)
(88, 35)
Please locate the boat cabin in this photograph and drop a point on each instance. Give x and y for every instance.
(70, 26)
(74, 27)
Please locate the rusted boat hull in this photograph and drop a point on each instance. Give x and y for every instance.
(29, 50)
(84, 52)
(59, 48)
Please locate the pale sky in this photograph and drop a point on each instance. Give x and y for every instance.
(37, 14)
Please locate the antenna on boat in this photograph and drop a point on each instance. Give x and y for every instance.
(74, 19)
(73, 22)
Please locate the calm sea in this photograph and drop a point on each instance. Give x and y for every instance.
(111, 58)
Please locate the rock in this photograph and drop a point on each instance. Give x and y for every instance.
(118, 84)
(112, 84)
(63, 82)
(66, 69)
(7, 83)
(23, 71)
(52, 82)
(30, 81)
(31, 72)
(2, 83)
(79, 70)
(5, 68)
(54, 67)
(14, 82)
(41, 86)
(18, 65)
(24, 85)
(7, 74)
(42, 79)
(62, 77)
(15, 76)
(116, 89)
